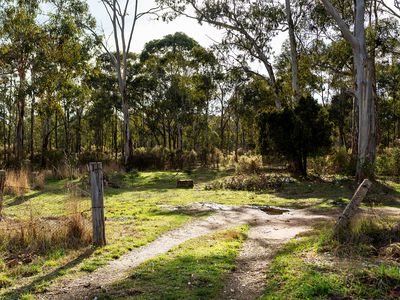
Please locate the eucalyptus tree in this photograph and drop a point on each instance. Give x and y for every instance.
(182, 71)
(123, 16)
(364, 93)
(249, 28)
(19, 31)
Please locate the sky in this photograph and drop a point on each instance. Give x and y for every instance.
(148, 28)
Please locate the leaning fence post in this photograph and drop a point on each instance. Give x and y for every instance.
(96, 186)
(2, 183)
(343, 223)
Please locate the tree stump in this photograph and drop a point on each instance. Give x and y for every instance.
(343, 223)
(2, 184)
(185, 184)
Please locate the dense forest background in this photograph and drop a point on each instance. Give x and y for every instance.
(184, 105)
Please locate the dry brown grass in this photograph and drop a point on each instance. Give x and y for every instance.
(39, 236)
(17, 182)
(111, 167)
(66, 171)
(249, 164)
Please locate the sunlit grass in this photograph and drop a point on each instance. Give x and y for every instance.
(193, 270)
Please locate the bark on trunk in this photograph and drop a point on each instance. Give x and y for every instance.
(366, 100)
(293, 52)
(364, 94)
(127, 132)
(19, 141)
(344, 221)
(31, 146)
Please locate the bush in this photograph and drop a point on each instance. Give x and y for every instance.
(190, 159)
(249, 164)
(340, 161)
(91, 156)
(260, 182)
(298, 133)
(388, 162)
(216, 157)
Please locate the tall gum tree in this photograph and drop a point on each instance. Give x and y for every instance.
(123, 16)
(19, 30)
(249, 28)
(364, 93)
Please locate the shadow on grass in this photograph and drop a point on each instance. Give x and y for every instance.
(161, 182)
(31, 287)
(182, 211)
(22, 199)
(384, 194)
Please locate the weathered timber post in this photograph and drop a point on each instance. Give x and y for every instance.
(2, 183)
(96, 187)
(343, 223)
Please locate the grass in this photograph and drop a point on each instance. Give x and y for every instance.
(194, 270)
(135, 214)
(305, 270)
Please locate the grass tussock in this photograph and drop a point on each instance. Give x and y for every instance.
(252, 164)
(39, 236)
(17, 182)
(260, 182)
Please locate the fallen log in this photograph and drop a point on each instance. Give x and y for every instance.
(342, 225)
(185, 184)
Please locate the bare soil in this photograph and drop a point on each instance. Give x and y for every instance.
(267, 234)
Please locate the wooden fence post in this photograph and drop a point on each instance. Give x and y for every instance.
(2, 183)
(343, 223)
(96, 186)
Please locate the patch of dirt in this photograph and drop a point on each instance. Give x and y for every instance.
(267, 233)
(265, 238)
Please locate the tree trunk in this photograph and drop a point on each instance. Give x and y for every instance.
(67, 147)
(31, 146)
(344, 221)
(45, 141)
(236, 139)
(2, 184)
(364, 94)
(293, 52)
(19, 140)
(56, 130)
(78, 141)
(126, 132)
(366, 106)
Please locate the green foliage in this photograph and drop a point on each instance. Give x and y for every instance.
(388, 162)
(297, 134)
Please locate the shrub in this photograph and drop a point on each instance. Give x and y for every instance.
(388, 162)
(249, 164)
(260, 182)
(340, 161)
(298, 133)
(90, 156)
(216, 157)
(190, 159)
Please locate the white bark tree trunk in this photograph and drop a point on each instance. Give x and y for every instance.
(364, 94)
(293, 52)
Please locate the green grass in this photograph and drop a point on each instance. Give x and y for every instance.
(135, 214)
(301, 271)
(194, 270)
